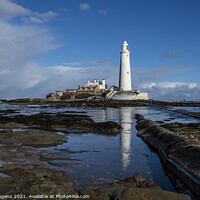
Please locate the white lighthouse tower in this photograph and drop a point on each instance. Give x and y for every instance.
(125, 70)
(125, 90)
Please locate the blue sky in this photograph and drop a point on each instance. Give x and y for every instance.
(57, 44)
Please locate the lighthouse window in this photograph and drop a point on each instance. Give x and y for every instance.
(127, 72)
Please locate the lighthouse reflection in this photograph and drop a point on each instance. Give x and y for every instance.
(125, 135)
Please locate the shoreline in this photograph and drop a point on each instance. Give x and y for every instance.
(101, 102)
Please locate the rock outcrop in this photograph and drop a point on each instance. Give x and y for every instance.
(178, 153)
(133, 188)
(63, 122)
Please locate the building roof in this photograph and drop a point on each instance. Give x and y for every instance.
(91, 83)
(59, 91)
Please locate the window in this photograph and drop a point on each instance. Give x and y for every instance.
(127, 72)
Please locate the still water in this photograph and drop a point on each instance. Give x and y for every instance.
(110, 158)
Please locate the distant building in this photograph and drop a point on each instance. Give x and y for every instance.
(59, 93)
(113, 88)
(91, 87)
(50, 96)
(96, 83)
(71, 90)
(87, 89)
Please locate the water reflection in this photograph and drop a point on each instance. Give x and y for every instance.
(125, 135)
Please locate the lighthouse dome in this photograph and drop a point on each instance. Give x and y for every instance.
(125, 43)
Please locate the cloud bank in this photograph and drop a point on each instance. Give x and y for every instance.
(170, 91)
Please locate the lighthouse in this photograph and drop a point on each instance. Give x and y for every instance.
(125, 70)
(124, 91)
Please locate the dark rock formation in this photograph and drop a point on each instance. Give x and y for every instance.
(178, 149)
(136, 181)
(31, 138)
(133, 188)
(188, 130)
(62, 122)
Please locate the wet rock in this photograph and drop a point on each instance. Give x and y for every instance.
(99, 103)
(11, 125)
(62, 122)
(160, 122)
(109, 127)
(185, 112)
(139, 117)
(95, 195)
(74, 112)
(8, 111)
(29, 174)
(181, 150)
(15, 186)
(172, 144)
(136, 181)
(150, 194)
(166, 120)
(189, 129)
(32, 138)
(82, 102)
(133, 188)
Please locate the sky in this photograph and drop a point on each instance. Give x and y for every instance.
(49, 45)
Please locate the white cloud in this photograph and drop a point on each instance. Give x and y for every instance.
(103, 12)
(169, 85)
(171, 91)
(21, 77)
(42, 18)
(84, 7)
(8, 9)
(93, 62)
(172, 54)
(18, 46)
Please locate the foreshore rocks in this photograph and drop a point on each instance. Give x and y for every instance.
(99, 102)
(133, 188)
(63, 122)
(24, 170)
(188, 130)
(176, 151)
(185, 112)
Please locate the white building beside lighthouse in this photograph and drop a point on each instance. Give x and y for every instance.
(125, 69)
